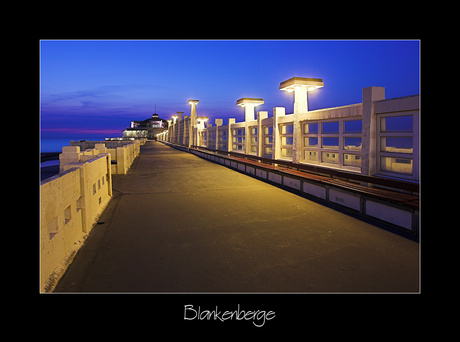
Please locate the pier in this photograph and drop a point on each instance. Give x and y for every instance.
(177, 222)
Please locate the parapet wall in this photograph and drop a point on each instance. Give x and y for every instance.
(70, 204)
(72, 201)
(121, 156)
(89, 144)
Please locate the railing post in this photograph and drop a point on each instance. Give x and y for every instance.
(208, 126)
(230, 134)
(276, 143)
(296, 139)
(218, 123)
(260, 144)
(192, 127)
(369, 129)
(184, 136)
(249, 104)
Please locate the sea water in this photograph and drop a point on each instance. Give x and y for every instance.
(53, 145)
(56, 144)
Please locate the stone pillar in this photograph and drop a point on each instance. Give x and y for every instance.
(276, 150)
(296, 139)
(192, 127)
(70, 154)
(300, 86)
(369, 129)
(230, 134)
(249, 115)
(208, 135)
(300, 100)
(218, 123)
(260, 134)
(185, 132)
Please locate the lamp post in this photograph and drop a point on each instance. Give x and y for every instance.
(301, 86)
(172, 134)
(200, 126)
(249, 105)
(192, 128)
(201, 121)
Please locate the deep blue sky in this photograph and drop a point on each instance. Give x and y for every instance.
(96, 88)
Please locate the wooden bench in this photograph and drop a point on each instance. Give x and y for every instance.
(396, 197)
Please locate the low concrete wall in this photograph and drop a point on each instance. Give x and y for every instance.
(72, 201)
(70, 204)
(60, 224)
(121, 157)
(89, 144)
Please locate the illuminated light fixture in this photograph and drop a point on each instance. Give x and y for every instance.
(301, 82)
(201, 121)
(301, 86)
(248, 100)
(193, 102)
(249, 104)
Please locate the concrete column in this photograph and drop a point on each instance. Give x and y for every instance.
(177, 118)
(260, 144)
(121, 161)
(179, 132)
(109, 173)
(185, 131)
(249, 112)
(249, 115)
(192, 127)
(208, 136)
(70, 154)
(230, 134)
(296, 139)
(200, 126)
(300, 100)
(276, 150)
(300, 86)
(369, 133)
(219, 123)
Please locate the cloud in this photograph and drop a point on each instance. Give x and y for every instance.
(83, 96)
(103, 92)
(102, 100)
(68, 130)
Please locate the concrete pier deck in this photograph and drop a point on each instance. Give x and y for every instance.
(178, 223)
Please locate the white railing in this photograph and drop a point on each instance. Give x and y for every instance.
(376, 137)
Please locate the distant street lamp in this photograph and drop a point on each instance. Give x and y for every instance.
(201, 121)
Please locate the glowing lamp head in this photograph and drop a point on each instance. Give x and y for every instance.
(247, 100)
(193, 102)
(301, 82)
(202, 118)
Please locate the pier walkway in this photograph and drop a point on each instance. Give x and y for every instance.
(178, 223)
